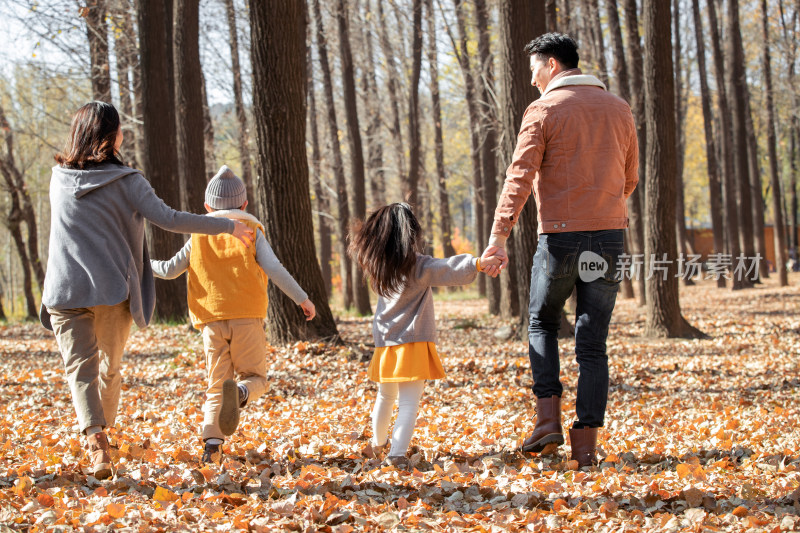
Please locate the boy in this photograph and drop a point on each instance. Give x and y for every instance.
(227, 293)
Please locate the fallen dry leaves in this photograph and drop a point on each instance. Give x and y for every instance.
(699, 436)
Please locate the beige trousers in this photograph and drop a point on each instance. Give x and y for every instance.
(91, 341)
(234, 348)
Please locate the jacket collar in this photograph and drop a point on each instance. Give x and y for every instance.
(573, 76)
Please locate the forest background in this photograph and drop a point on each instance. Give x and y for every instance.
(405, 99)
(329, 109)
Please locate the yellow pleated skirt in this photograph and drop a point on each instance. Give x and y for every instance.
(405, 362)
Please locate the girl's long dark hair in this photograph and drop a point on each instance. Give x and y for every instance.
(92, 137)
(386, 245)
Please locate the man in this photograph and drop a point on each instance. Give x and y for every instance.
(577, 151)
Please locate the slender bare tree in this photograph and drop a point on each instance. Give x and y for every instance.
(777, 211)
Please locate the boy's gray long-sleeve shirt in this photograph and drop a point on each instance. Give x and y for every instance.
(265, 257)
(408, 316)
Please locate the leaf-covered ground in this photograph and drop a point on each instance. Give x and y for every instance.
(699, 436)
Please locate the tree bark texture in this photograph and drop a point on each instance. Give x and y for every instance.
(208, 135)
(756, 190)
(372, 104)
(488, 113)
(635, 62)
(726, 146)
(712, 165)
(680, 209)
(777, 211)
(479, 199)
(238, 101)
(189, 104)
(125, 54)
(97, 34)
(160, 155)
(414, 140)
(357, 176)
(321, 196)
(25, 212)
(343, 218)
(278, 32)
(445, 235)
(394, 89)
(519, 19)
(737, 87)
(664, 317)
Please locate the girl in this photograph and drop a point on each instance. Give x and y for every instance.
(98, 277)
(387, 247)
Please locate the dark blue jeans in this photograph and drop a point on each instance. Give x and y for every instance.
(558, 267)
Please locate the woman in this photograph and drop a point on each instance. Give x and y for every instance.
(98, 277)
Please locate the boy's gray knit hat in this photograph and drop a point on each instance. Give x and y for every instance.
(226, 190)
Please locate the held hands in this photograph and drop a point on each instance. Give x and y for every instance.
(243, 233)
(308, 309)
(494, 260)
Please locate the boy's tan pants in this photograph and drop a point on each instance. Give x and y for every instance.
(235, 347)
(91, 340)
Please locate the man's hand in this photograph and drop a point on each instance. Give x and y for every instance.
(308, 309)
(486, 259)
(242, 232)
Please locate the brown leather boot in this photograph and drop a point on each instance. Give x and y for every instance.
(98, 453)
(548, 426)
(584, 444)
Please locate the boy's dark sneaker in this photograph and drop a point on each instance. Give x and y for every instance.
(229, 411)
(212, 453)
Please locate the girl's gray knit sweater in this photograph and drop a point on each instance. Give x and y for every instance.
(408, 316)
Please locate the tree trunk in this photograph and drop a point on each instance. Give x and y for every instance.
(551, 15)
(714, 185)
(737, 87)
(13, 223)
(414, 141)
(208, 135)
(15, 181)
(189, 105)
(726, 146)
(599, 43)
(97, 34)
(489, 171)
(479, 199)
(779, 233)
(680, 210)
(160, 156)
(238, 101)
(321, 196)
(438, 141)
(635, 60)
(394, 90)
(357, 181)
(278, 44)
(623, 88)
(125, 53)
(372, 103)
(756, 190)
(519, 19)
(343, 217)
(664, 317)
(620, 65)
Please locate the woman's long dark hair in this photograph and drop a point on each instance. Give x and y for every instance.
(385, 246)
(92, 137)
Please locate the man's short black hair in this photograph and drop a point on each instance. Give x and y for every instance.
(559, 46)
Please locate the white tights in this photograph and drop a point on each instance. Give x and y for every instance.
(409, 393)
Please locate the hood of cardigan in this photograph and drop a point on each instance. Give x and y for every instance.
(80, 182)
